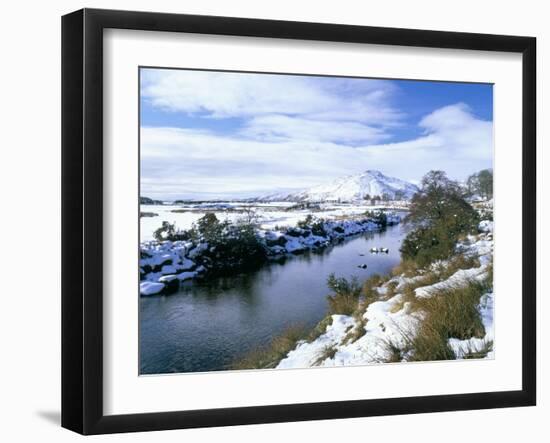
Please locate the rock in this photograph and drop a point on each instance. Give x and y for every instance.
(186, 264)
(168, 269)
(150, 288)
(171, 284)
(277, 250)
(186, 276)
(279, 241)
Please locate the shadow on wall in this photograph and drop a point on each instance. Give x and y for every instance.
(54, 417)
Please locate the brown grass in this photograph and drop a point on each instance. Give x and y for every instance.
(408, 268)
(481, 353)
(328, 352)
(344, 304)
(357, 331)
(395, 354)
(319, 329)
(269, 356)
(451, 313)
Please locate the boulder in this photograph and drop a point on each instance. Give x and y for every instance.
(171, 284)
(186, 275)
(150, 288)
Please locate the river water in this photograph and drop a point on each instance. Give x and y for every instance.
(208, 325)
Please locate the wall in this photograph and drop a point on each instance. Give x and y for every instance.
(30, 181)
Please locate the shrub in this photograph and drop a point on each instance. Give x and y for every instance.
(345, 299)
(481, 183)
(305, 223)
(379, 217)
(439, 215)
(210, 228)
(318, 228)
(168, 231)
(231, 247)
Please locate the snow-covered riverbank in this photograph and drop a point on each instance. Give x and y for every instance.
(384, 331)
(271, 215)
(164, 265)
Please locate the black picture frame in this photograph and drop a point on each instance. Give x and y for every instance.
(82, 218)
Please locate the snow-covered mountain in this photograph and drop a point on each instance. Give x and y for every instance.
(352, 188)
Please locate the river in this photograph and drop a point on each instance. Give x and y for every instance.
(208, 325)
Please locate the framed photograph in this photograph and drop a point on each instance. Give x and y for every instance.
(268, 221)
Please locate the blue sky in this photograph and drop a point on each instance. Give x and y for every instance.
(229, 135)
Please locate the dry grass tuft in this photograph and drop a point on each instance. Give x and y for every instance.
(319, 329)
(328, 352)
(479, 353)
(453, 313)
(269, 356)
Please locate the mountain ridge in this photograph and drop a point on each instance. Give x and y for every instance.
(355, 187)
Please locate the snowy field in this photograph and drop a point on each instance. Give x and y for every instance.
(269, 215)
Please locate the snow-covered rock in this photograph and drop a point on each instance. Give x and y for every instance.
(186, 264)
(486, 226)
(186, 275)
(171, 284)
(168, 269)
(150, 288)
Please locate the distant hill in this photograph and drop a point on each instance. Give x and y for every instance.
(351, 188)
(149, 201)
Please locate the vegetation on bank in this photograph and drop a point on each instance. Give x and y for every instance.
(225, 247)
(231, 246)
(438, 216)
(452, 313)
(270, 355)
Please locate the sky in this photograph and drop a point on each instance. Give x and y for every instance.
(225, 135)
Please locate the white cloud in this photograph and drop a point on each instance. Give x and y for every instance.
(454, 141)
(223, 94)
(282, 127)
(185, 163)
